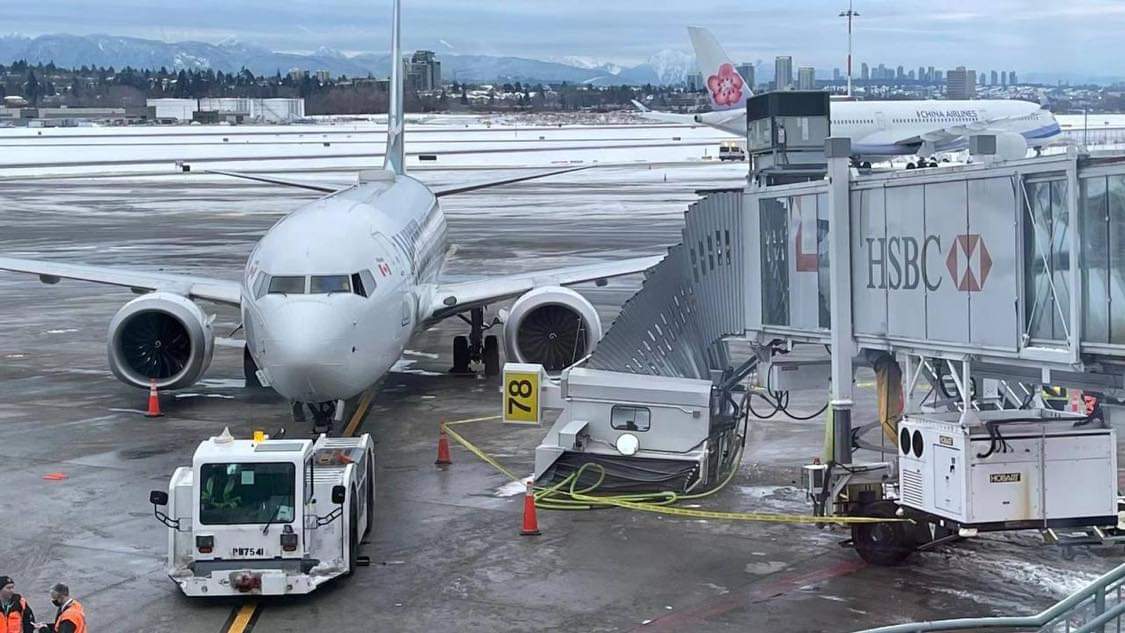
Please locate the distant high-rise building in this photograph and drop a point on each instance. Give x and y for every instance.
(323, 76)
(980, 78)
(910, 75)
(694, 82)
(423, 71)
(921, 73)
(994, 79)
(864, 71)
(836, 76)
(901, 74)
(961, 84)
(882, 74)
(783, 72)
(297, 74)
(930, 76)
(746, 71)
(938, 76)
(1012, 78)
(806, 78)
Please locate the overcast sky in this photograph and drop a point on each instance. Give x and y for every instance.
(1084, 36)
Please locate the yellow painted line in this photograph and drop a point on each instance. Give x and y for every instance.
(242, 618)
(360, 412)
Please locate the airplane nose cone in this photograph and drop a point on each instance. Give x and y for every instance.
(307, 352)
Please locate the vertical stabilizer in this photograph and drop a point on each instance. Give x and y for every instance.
(395, 158)
(725, 87)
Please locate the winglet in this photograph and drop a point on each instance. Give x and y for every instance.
(395, 158)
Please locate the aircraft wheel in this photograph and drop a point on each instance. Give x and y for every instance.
(250, 370)
(910, 165)
(491, 356)
(460, 355)
(866, 165)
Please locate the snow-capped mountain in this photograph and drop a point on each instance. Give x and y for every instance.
(230, 55)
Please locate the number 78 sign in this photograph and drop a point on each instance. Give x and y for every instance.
(521, 390)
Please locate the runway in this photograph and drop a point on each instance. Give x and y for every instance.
(445, 550)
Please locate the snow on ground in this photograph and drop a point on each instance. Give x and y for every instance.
(437, 142)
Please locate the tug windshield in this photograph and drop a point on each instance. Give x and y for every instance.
(252, 493)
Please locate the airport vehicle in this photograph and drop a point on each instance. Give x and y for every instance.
(878, 130)
(267, 516)
(731, 150)
(332, 293)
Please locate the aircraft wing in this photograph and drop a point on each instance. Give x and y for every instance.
(452, 298)
(274, 181)
(216, 290)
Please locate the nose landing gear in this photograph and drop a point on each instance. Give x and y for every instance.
(476, 347)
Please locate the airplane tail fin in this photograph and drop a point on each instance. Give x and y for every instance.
(725, 87)
(395, 158)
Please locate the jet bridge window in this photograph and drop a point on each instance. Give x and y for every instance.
(287, 285)
(327, 284)
(627, 418)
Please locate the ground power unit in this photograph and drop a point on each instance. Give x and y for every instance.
(1008, 469)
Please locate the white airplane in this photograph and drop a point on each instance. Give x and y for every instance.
(333, 292)
(878, 129)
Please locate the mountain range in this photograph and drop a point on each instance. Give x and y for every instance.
(75, 51)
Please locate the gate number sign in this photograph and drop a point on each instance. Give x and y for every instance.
(521, 394)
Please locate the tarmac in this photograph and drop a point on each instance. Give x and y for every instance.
(77, 458)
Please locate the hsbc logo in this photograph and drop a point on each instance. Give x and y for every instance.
(968, 262)
(907, 263)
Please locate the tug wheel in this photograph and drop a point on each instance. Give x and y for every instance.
(883, 544)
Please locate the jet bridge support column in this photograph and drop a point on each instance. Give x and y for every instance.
(838, 153)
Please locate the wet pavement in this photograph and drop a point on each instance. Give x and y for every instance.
(445, 547)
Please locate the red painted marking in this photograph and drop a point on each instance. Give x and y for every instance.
(695, 618)
(54, 476)
(806, 262)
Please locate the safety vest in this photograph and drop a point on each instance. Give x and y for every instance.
(13, 622)
(74, 613)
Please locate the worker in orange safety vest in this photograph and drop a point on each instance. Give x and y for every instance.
(15, 615)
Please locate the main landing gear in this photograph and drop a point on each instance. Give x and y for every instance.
(476, 347)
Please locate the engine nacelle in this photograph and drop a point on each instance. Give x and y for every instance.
(160, 336)
(552, 326)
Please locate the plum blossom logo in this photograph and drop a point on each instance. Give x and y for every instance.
(725, 86)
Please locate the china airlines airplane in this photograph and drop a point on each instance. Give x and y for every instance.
(333, 292)
(879, 130)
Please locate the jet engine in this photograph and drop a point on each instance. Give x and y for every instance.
(1011, 146)
(163, 337)
(552, 326)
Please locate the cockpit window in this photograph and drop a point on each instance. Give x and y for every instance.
(287, 286)
(261, 284)
(327, 284)
(363, 283)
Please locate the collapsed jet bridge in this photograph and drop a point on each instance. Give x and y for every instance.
(987, 280)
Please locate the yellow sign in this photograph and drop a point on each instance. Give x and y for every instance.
(521, 397)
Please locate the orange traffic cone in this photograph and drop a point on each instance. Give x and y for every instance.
(443, 449)
(530, 522)
(153, 402)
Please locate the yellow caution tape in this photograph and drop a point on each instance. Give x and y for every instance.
(564, 496)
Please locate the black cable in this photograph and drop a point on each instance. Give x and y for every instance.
(750, 407)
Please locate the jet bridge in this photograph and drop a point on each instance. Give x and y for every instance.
(998, 274)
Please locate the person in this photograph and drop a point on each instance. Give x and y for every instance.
(70, 618)
(15, 615)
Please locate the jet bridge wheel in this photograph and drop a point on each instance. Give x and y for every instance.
(883, 544)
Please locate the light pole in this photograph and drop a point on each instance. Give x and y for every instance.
(849, 14)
